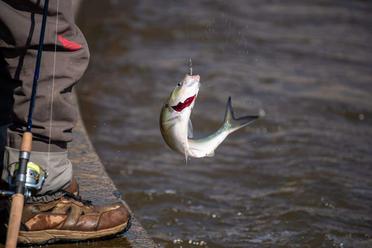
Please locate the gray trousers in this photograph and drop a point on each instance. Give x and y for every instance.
(65, 63)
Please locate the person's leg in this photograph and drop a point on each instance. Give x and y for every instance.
(6, 104)
(54, 113)
(53, 119)
(3, 131)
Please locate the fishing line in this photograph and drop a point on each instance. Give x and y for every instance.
(190, 66)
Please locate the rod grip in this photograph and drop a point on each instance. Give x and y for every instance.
(26, 145)
(15, 217)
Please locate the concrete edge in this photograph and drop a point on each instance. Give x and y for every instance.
(96, 185)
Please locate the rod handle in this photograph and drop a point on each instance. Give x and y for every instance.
(15, 217)
(26, 145)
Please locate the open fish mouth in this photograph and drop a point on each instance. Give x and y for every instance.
(182, 105)
(192, 84)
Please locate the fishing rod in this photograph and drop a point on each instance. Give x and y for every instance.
(18, 197)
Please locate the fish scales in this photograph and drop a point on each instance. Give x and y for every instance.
(176, 127)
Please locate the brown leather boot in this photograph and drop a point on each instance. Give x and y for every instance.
(71, 219)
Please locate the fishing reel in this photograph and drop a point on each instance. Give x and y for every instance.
(35, 178)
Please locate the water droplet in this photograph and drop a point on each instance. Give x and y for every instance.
(177, 241)
(202, 243)
(170, 191)
(175, 210)
(261, 113)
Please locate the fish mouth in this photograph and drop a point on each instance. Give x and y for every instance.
(182, 105)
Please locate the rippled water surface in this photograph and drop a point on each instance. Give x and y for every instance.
(300, 176)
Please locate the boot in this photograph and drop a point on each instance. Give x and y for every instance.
(54, 214)
(68, 219)
(71, 219)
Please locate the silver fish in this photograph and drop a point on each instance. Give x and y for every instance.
(176, 127)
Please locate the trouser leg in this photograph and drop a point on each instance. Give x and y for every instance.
(55, 112)
(69, 218)
(59, 169)
(65, 66)
(3, 130)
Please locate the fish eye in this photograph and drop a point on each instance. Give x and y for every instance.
(179, 84)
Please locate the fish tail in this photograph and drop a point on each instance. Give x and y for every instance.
(232, 123)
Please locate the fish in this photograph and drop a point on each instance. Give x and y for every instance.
(176, 126)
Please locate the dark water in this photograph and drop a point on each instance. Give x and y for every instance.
(300, 177)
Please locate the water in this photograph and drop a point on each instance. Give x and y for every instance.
(299, 177)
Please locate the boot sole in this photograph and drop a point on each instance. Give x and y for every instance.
(55, 235)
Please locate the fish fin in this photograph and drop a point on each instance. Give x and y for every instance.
(233, 123)
(211, 154)
(190, 130)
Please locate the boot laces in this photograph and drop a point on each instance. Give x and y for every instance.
(77, 198)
